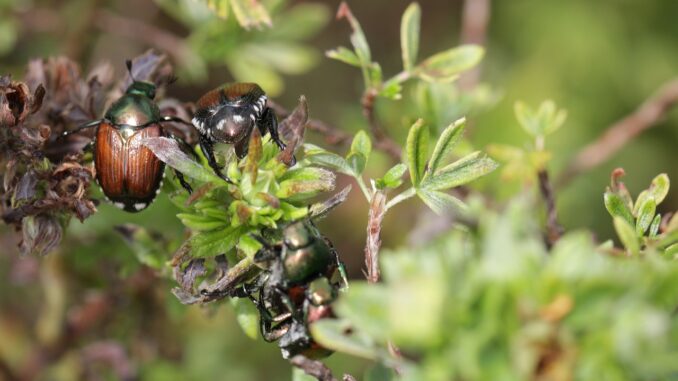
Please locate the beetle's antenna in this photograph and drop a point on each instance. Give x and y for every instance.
(129, 69)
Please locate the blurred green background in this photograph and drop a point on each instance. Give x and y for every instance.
(598, 60)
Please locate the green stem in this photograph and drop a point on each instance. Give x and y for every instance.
(400, 198)
(364, 188)
(398, 78)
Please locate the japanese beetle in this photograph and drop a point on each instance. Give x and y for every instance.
(228, 114)
(129, 174)
(302, 276)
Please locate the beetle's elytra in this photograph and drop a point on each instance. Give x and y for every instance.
(129, 174)
(229, 114)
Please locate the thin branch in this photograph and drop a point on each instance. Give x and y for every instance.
(474, 21)
(376, 216)
(333, 135)
(619, 134)
(553, 229)
(313, 368)
(381, 140)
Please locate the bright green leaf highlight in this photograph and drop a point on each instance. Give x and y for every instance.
(344, 55)
(447, 140)
(464, 170)
(247, 316)
(446, 66)
(617, 208)
(393, 177)
(409, 35)
(627, 235)
(440, 202)
(645, 215)
(542, 122)
(417, 150)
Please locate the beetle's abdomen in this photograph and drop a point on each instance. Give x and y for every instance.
(129, 173)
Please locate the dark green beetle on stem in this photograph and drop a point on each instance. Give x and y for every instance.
(129, 174)
(302, 277)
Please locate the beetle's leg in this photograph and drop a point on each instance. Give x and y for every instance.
(269, 123)
(85, 126)
(208, 150)
(170, 118)
(186, 148)
(89, 147)
(268, 332)
(241, 147)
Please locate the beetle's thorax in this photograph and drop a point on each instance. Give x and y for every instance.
(133, 110)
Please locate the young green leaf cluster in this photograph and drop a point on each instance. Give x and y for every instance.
(638, 226)
(493, 303)
(442, 67)
(429, 176)
(265, 194)
(525, 163)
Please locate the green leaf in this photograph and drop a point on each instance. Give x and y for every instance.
(447, 140)
(659, 188)
(302, 21)
(654, 228)
(200, 222)
(321, 157)
(358, 39)
(250, 13)
(332, 334)
(462, 171)
(359, 153)
(645, 215)
(417, 150)
(168, 150)
(393, 177)
(247, 316)
(391, 90)
(219, 7)
(627, 235)
(215, 242)
(344, 55)
(446, 66)
(440, 202)
(286, 57)
(616, 206)
(249, 246)
(308, 182)
(545, 121)
(409, 35)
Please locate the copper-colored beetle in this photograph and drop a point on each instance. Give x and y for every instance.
(129, 174)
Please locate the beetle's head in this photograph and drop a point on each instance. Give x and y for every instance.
(143, 88)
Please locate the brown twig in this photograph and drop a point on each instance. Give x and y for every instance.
(553, 229)
(376, 215)
(619, 134)
(474, 20)
(313, 368)
(333, 135)
(382, 141)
